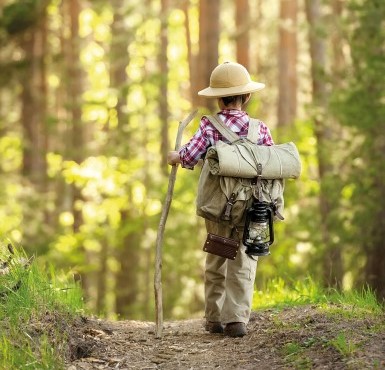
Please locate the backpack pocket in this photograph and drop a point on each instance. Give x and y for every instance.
(223, 199)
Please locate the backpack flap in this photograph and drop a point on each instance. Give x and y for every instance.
(223, 199)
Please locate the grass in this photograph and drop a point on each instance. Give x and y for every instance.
(356, 304)
(349, 307)
(293, 354)
(279, 293)
(343, 345)
(35, 306)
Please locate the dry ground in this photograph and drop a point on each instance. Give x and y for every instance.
(292, 338)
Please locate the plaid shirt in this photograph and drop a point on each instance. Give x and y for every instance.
(207, 135)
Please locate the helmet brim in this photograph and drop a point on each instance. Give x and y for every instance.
(218, 92)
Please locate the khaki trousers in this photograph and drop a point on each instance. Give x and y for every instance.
(229, 284)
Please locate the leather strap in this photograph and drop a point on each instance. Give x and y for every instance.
(252, 135)
(222, 128)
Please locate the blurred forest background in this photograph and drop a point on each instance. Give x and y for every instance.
(91, 93)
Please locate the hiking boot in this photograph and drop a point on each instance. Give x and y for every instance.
(214, 327)
(235, 329)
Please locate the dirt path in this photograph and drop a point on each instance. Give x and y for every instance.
(295, 338)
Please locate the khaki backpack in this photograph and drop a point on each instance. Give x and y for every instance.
(224, 199)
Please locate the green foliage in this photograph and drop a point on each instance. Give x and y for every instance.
(285, 293)
(293, 353)
(343, 345)
(354, 303)
(291, 349)
(18, 16)
(35, 306)
(363, 100)
(360, 106)
(279, 293)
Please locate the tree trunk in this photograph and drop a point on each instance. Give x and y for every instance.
(127, 286)
(34, 125)
(101, 277)
(324, 132)
(242, 17)
(34, 106)
(191, 57)
(75, 97)
(128, 238)
(163, 101)
(209, 12)
(287, 64)
(257, 41)
(375, 242)
(339, 60)
(75, 139)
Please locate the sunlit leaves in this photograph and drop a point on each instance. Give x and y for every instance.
(10, 149)
(97, 175)
(66, 219)
(96, 24)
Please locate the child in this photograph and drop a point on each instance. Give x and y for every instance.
(229, 284)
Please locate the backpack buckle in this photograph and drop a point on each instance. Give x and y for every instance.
(255, 180)
(229, 205)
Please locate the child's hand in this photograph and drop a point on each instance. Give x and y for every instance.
(173, 158)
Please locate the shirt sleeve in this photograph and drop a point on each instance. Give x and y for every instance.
(195, 149)
(265, 137)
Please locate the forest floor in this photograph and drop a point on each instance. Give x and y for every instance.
(304, 337)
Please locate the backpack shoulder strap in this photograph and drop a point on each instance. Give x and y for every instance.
(253, 133)
(222, 128)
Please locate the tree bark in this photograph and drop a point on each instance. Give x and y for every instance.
(191, 57)
(101, 277)
(324, 132)
(76, 148)
(209, 12)
(287, 64)
(35, 130)
(127, 252)
(242, 16)
(34, 106)
(75, 96)
(163, 90)
(337, 41)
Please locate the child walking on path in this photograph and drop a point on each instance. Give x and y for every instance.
(229, 284)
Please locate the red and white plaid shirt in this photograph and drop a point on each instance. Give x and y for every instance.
(207, 135)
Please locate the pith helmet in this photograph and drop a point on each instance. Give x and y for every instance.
(229, 79)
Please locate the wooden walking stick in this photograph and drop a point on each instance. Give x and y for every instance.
(162, 224)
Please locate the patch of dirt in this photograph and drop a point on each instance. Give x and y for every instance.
(293, 338)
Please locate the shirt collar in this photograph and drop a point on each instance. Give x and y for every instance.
(233, 113)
